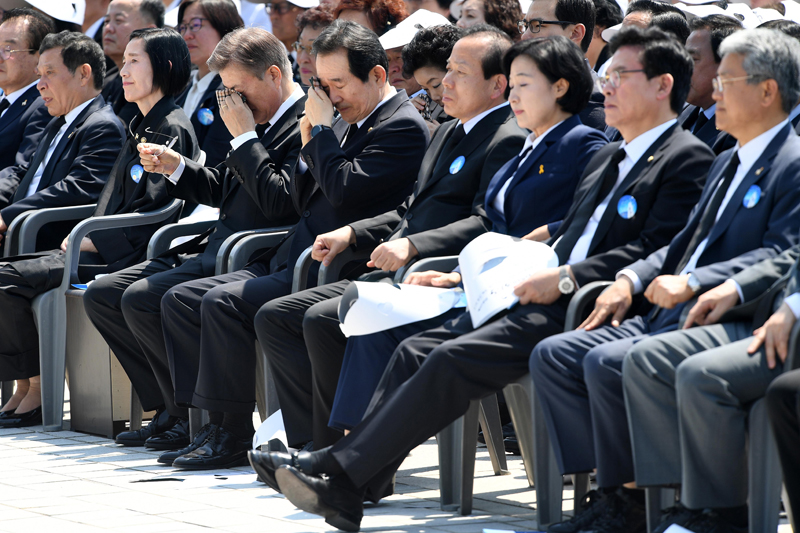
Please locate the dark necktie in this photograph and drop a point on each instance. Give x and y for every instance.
(4, 104)
(261, 129)
(41, 152)
(597, 194)
(709, 216)
(458, 134)
(351, 133)
(690, 121)
(701, 121)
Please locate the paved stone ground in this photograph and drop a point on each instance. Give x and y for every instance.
(67, 481)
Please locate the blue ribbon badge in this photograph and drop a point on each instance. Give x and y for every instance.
(205, 116)
(626, 207)
(752, 196)
(136, 172)
(457, 164)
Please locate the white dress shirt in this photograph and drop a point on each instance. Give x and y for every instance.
(196, 92)
(69, 118)
(13, 97)
(633, 152)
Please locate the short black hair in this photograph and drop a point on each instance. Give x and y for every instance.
(607, 13)
(78, 49)
(579, 12)
(499, 43)
(430, 47)
(557, 57)
(153, 10)
(659, 54)
(789, 27)
(673, 24)
(721, 26)
(39, 25)
(364, 50)
(169, 58)
(221, 14)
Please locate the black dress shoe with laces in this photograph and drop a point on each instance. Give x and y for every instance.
(167, 458)
(160, 423)
(221, 449)
(174, 438)
(23, 420)
(676, 515)
(590, 509)
(709, 521)
(266, 463)
(336, 499)
(623, 515)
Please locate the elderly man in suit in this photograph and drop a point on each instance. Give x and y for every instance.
(362, 164)
(251, 188)
(434, 375)
(23, 115)
(749, 211)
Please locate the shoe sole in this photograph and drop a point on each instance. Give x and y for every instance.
(264, 475)
(236, 462)
(166, 447)
(130, 443)
(307, 500)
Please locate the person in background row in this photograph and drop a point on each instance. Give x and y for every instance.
(203, 24)
(672, 23)
(608, 13)
(309, 25)
(441, 7)
(283, 15)
(378, 15)
(502, 14)
(122, 18)
(23, 114)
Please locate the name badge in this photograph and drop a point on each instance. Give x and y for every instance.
(752, 196)
(457, 164)
(205, 116)
(136, 172)
(626, 207)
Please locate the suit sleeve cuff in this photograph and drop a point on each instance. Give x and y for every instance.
(243, 138)
(741, 294)
(638, 288)
(175, 176)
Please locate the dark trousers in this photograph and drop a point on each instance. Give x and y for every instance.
(783, 406)
(125, 307)
(430, 381)
(210, 340)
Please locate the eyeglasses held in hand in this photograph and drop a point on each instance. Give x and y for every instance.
(143, 139)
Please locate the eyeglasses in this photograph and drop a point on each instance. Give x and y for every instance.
(6, 52)
(281, 8)
(194, 26)
(719, 82)
(299, 48)
(614, 78)
(172, 140)
(535, 25)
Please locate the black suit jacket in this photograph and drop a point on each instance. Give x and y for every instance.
(20, 130)
(251, 188)
(113, 94)
(214, 138)
(79, 166)
(717, 140)
(446, 210)
(594, 114)
(665, 182)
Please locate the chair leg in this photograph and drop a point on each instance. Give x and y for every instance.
(652, 496)
(197, 419)
(136, 411)
(582, 484)
(548, 477)
(50, 312)
(517, 397)
(489, 418)
(764, 473)
(457, 462)
(789, 514)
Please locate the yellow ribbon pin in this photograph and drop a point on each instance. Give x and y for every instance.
(650, 159)
(541, 169)
(758, 172)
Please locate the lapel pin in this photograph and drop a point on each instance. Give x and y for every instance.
(25, 102)
(650, 159)
(144, 140)
(541, 169)
(369, 130)
(758, 172)
(71, 135)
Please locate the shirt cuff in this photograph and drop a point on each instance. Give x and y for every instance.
(634, 277)
(175, 176)
(739, 291)
(793, 301)
(243, 138)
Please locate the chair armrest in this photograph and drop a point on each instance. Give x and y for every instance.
(107, 222)
(301, 268)
(25, 228)
(237, 249)
(582, 300)
(161, 239)
(445, 263)
(332, 272)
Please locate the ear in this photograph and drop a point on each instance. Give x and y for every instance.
(578, 33)
(85, 72)
(665, 84)
(561, 86)
(499, 86)
(378, 74)
(274, 74)
(769, 92)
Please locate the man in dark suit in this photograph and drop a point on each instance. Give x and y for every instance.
(252, 190)
(23, 115)
(579, 29)
(445, 211)
(749, 211)
(123, 17)
(363, 164)
(71, 165)
(433, 375)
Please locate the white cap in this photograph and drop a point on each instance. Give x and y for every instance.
(402, 34)
(792, 10)
(610, 32)
(702, 10)
(65, 10)
(745, 15)
(767, 14)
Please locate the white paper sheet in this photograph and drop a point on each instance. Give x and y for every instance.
(271, 428)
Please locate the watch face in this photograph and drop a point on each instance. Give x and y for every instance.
(566, 285)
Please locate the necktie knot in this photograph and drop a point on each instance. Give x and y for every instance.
(261, 129)
(4, 104)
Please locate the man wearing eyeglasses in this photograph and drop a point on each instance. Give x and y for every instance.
(283, 15)
(748, 213)
(573, 19)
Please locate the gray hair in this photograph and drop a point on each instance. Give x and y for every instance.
(253, 49)
(768, 54)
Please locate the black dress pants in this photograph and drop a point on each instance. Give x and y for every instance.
(125, 307)
(783, 407)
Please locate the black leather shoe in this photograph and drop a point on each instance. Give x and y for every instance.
(266, 463)
(335, 499)
(222, 449)
(167, 458)
(623, 514)
(23, 420)
(708, 521)
(591, 508)
(7, 414)
(159, 424)
(677, 514)
(175, 438)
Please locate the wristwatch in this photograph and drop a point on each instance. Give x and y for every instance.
(565, 283)
(318, 128)
(694, 283)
